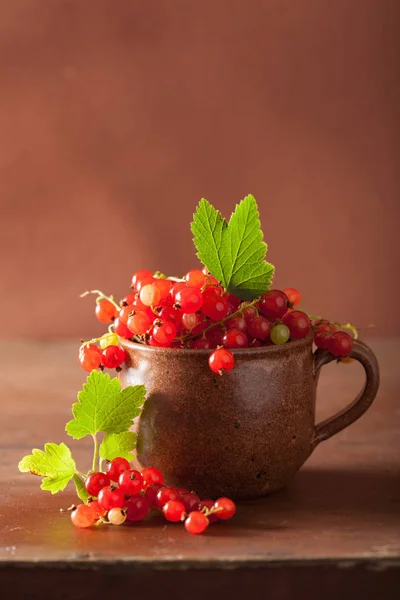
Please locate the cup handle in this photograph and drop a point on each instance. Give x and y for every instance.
(364, 355)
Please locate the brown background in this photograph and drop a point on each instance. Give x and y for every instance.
(117, 117)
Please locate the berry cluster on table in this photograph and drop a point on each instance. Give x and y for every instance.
(122, 494)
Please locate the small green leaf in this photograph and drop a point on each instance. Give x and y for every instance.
(234, 253)
(118, 444)
(55, 464)
(103, 406)
(81, 491)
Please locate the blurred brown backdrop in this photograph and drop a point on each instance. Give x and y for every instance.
(117, 117)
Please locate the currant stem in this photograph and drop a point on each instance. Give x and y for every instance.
(96, 458)
(101, 296)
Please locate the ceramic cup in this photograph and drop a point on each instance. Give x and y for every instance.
(243, 434)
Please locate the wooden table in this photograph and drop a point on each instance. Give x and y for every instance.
(334, 532)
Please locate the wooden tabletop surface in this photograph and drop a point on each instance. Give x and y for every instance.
(334, 530)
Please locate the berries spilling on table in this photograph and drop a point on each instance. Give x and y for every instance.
(197, 313)
(123, 494)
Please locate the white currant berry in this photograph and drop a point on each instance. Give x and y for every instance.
(116, 516)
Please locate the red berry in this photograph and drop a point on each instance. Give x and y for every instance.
(153, 342)
(234, 338)
(89, 357)
(298, 323)
(322, 339)
(97, 509)
(138, 507)
(168, 313)
(203, 324)
(165, 494)
(83, 516)
(212, 290)
(139, 322)
(237, 322)
(116, 467)
(164, 332)
(191, 501)
(215, 307)
(340, 344)
(274, 304)
(227, 508)
(196, 522)
(138, 276)
(111, 497)
(125, 312)
(259, 328)
(190, 299)
(151, 494)
(150, 476)
(112, 357)
(293, 296)
(195, 279)
(221, 360)
(325, 326)
(174, 511)
(128, 299)
(249, 312)
(190, 321)
(201, 344)
(164, 286)
(121, 329)
(130, 482)
(180, 285)
(95, 482)
(106, 312)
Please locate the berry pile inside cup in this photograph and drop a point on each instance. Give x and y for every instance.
(124, 494)
(197, 313)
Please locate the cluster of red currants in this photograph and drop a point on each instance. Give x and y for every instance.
(198, 313)
(124, 494)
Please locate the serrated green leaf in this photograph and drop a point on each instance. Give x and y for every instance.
(118, 444)
(103, 406)
(81, 491)
(55, 464)
(234, 253)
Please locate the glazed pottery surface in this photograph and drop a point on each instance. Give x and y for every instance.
(245, 433)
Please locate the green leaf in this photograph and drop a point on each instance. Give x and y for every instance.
(118, 444)
(81, 491)
(234, 253)
(55, 464)
(103, 406)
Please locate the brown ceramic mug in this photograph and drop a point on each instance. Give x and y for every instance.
(243, 434)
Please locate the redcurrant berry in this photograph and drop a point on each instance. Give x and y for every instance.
(195, 279)
(215, 307)
(189, 299)
(131, 482)
(95, 482)
(221, 360)
(259, 328)
(340, 344)
(111, 497)
(83, 516)
(196, 522)
(122, 330)
(174, 511)
(138, 276)
(139, 322)
(298, 323)
(138, 507)
(164, 332)
(234, 338)
(226, 508)
(106, 311)
(274, 304)
(165, 494)
(113, 357)
(116, 467)
(201, 344)
(293, 296)
(89, 357)
(150, 476)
